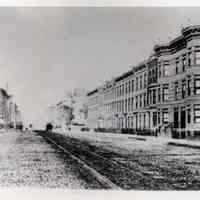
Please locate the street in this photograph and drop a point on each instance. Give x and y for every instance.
(88, 160)
(27, 160)
(132, 163)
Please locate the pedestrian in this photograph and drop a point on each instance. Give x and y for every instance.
(49, 127)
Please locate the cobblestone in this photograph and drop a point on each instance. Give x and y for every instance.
(27, 160)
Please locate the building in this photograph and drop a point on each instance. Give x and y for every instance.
(70, 111)
(60, 115)
(79, 106)
(4, 114)
(161, 94)
(17, 118)
(10, 115)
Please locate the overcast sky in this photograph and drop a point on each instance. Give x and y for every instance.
(47, 51)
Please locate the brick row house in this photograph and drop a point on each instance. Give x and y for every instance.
(161, 94)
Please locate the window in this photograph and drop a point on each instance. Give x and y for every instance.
(129, 86)
(132, 104)
(159, 70)
(145, 82)
(123, 89)
(136, 102)
(129, 104)
(197, 86)
(154, 96)
(150, 97)
(126, 105)
(126, 88)
(165, 116)
(140, 121)
(197, 57)
(158, 117)
(132, 85)
(176, 91)
(144, 99)
(197, 113)
(165, 92)
(140, 100)
(189, 86)
(149, 77)
(136, 83)
(159, 95)
(140, 82)
(177, 65)
(183, 89)
(132, 122)
(154, 119)
(189, 115)
(120, 90)
(156, 74)
(152, 76)
(184, 62)
(167, 69)
(144, 122)
(189, 58)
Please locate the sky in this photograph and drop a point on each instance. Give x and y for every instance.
(46, 51)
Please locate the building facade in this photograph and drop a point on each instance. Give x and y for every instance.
(79, 106)
(161, 94)
(4, 112)
(10, 115)
(60, 115)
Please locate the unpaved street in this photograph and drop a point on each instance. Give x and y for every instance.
(27, 160)
(132, 163)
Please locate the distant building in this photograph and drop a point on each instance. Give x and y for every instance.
(60, 115)
(70, 111)
(18, 117)
(79, 106)
(10, 115)
(4, 112)
(64, 115)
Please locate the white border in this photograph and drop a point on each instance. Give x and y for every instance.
(101, 3)
(29, 193)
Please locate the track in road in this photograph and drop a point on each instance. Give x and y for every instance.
(103, 180)
(116, 172)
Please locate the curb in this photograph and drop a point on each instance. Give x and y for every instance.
(184, 145)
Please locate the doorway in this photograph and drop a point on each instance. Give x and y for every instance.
(175, 117)
(183, 118)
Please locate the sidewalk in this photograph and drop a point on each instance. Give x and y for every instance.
(170, 141)
(149, 139)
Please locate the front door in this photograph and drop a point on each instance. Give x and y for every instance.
(183, 116)
(175, 117)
